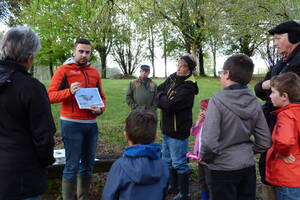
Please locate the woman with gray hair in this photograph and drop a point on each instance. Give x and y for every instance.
(26, 122)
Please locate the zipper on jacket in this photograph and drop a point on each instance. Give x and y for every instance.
(170, 91)
(85, 78)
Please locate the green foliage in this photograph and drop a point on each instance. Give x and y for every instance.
(60, 22)
(134, 28)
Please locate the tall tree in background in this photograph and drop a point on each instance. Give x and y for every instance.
(186, 16)
(91, 19)
(129, 42)
(10, 10)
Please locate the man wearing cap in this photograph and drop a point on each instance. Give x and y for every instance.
(141, 92)
(287, 41)
(175, 98)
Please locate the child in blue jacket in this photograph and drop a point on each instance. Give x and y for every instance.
(140, 173)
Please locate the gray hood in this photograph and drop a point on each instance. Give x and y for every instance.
(72, 61)
(240, 101)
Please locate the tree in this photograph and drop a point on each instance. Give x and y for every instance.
(186, 16)
(91, 19)
(10, 9)
(129, 44)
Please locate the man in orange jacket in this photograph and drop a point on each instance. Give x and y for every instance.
(78, 126)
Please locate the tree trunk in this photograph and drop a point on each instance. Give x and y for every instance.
(201, 62)
(214, 63)
(103, 56)
(165, 52)
(103, 66)
(51, 67)
(151, 48)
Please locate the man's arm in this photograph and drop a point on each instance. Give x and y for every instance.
(129, 97)
(210, 133)
(261, 87)
(99, 111)
(153, 105)
(176, 99)
(59, 90)
(261, 132)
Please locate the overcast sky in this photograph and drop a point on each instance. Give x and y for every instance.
(171, 64)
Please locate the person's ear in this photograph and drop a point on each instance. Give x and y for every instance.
(30, 58)
(285, 96)
(125, 135)
(27, 63)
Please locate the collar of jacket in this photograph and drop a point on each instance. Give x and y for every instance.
(297, 49)
(7, 68)
(152, 151)
(71, 60)
(144, 81)
(291, 105)
(236, 86)
(9, 64)
(180, 78)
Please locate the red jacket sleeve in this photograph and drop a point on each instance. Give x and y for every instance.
(284, 137)
(55, 93)
(99, 85)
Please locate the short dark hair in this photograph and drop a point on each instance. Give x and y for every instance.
(141, 126)
(240, 68)
(81, 41)
(287, 83)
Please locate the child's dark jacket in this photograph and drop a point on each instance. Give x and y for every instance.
(139, 174)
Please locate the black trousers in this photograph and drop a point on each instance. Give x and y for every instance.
(204, 178)
(234, 185)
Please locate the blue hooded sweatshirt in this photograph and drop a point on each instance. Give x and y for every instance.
(139, 174)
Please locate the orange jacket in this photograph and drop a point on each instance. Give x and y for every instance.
(285, 137)
(58, 90)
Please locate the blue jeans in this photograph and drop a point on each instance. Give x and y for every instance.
(287, 193)
(32, 198)
(80, 141)
(174, 153)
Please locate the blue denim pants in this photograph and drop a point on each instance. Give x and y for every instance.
(80, 141)
(174, 153)
(287, 193)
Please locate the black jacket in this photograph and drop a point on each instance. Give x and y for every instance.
(26, 133)
(175, 97)
(291, 64)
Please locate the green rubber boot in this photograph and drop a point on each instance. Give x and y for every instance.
(83, 186)
(68, 189)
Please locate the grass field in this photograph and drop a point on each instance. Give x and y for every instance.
(111, 123)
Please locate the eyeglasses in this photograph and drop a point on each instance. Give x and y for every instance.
(221, 72)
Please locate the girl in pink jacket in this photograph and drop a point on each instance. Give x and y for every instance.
(203, 170)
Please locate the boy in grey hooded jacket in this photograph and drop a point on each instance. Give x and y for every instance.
(234, 129)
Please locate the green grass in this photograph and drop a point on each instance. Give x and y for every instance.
(111, 123)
